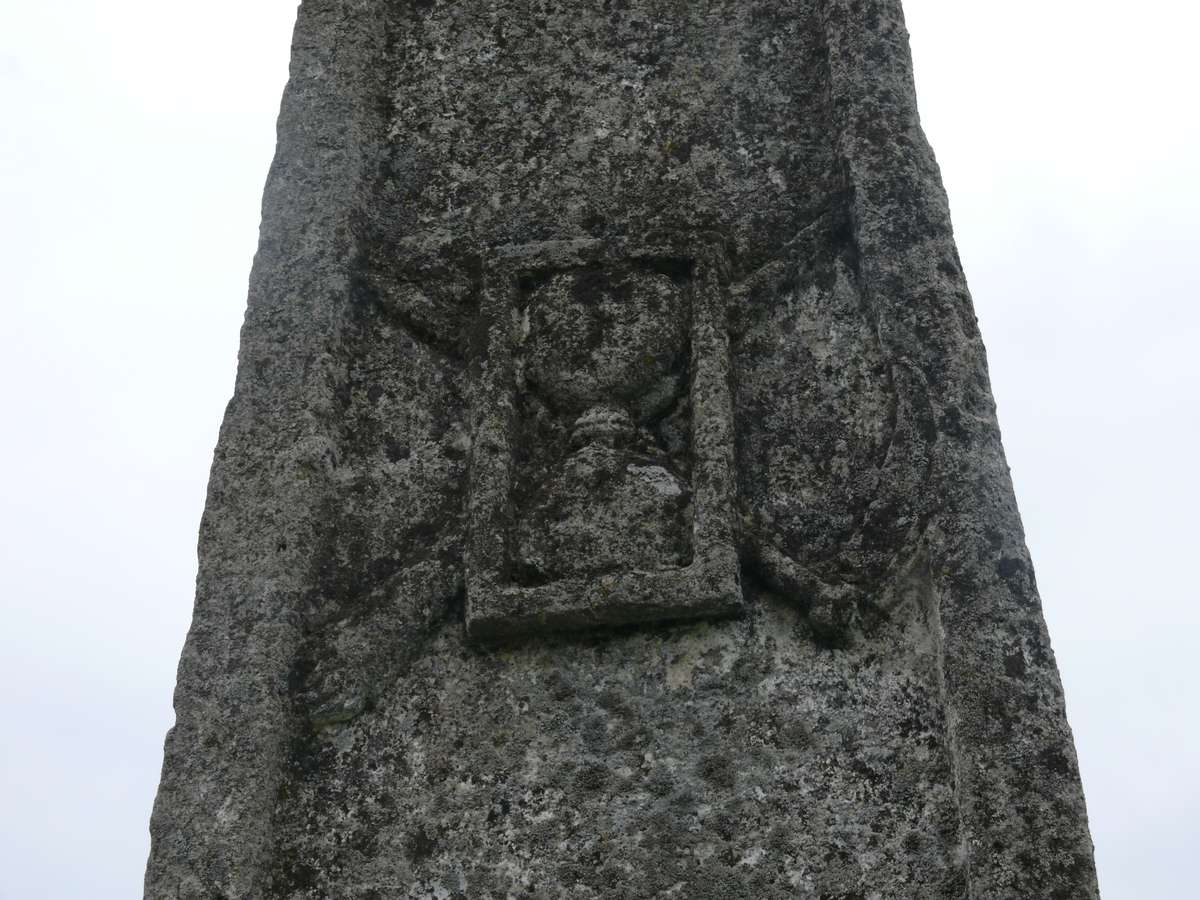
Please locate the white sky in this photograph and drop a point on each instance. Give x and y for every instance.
(134, 142)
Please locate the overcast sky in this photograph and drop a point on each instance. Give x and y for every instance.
(134, 140)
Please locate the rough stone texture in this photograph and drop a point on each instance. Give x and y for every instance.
(611, 503)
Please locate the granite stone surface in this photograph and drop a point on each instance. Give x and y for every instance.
(612, 503)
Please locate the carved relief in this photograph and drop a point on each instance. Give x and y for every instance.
(602, 477)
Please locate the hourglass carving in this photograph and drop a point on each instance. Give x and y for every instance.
(602, 461)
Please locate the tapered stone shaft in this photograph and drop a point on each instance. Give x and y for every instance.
(611, 503)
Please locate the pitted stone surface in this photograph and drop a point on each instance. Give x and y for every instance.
(611, 504)
(704, 761)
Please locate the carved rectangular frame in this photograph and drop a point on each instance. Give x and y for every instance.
(709, 586)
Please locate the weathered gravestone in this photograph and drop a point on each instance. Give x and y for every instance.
(611, 503)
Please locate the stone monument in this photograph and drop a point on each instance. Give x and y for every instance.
(611, 503)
